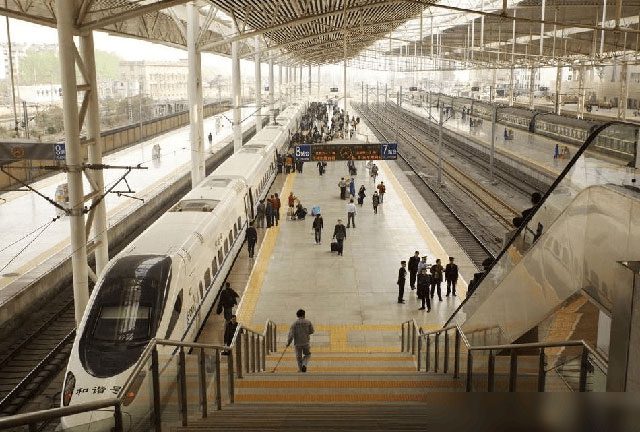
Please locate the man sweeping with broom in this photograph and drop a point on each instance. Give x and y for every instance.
(300, 333)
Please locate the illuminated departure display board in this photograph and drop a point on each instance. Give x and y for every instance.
(340, 152)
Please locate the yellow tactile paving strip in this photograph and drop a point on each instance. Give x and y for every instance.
(357, 368)
(356, 384)
(251, 295)
(341, 358)
(311, 398)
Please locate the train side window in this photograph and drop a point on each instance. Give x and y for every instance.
(207, 278)
(239, 222)
(201, 290)
(220, 256)
(175, 314)
(235, 230)
(226, 246)
(230, 237)
(214, 265)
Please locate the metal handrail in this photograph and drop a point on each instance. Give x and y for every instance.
(257, 346)
(410, 330)
(45, 415)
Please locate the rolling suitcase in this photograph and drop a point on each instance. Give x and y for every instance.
(334, 246)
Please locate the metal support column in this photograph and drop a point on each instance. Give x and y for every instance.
(280, 95)
(95, 153)
(318, 81)
(558, 99)
(65, 19)
(624, 91)
(386, 93)
(236, 95)
(440, 150)
(581, 91)
(532, 80)
(377, 93)
(300, 83)
(258, 76)
(272, 109)
(194, 83)
(309, 81)
(366, 92)
(494, 119)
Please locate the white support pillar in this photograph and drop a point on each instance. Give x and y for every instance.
(532, 81)
(95, 153)
(344, 84)
(309, 81)
(604, 18)
(272, 108)
(624, 91)
(366, 89)
(258, 75)
(377, 94)
(280, 92)
(301, 80)
(386, 93)
(194, 84)
(319, 81)
(236, 96)
(581, 91)
(65, 21)
(558, 99)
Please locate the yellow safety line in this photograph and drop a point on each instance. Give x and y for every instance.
(247, 306)
(411, 382)
(429, 237)
(303, 397)
(360, 358)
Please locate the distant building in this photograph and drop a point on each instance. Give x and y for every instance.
(160, 80)
(42, 94)
(18, 52)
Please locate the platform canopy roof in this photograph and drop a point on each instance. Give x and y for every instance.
(378, 34)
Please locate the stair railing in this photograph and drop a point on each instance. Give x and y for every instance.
(246, 344)
(423, 344)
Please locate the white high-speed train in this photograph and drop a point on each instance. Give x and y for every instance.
(165, 282)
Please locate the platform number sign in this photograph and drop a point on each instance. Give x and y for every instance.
(59, 151)
(389, 151)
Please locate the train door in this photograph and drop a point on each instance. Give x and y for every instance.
(250, 213)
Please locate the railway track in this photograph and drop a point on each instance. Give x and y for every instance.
(452, 207)
(516, 179)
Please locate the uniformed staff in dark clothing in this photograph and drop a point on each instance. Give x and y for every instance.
(229, 330)
(413, 269)
(402, 276)
(228, 299)
(252, 238)
(451, 276)
(423, 289)
(436, 278)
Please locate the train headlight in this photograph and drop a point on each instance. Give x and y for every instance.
(132, 390)
(69, 387)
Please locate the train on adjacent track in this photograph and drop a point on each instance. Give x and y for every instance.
(616, 141)
(166, 281)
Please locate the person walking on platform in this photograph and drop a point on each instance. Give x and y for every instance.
(260, 214)
(228, 299)
(451, 276)
(374, 172)
(342, 184)
(382, 189)
(351, 214)
(210, 138)
(423, 289)
(252, 238)
(413, 269)
(300, 334)
(275, 202)
(229, 330)
(361, 195)
(402, 277)
(352, 188)
(268, 212)
(340, 233)
(436, 279)
(291, 202)
(318, 224)
(376, 201)
(321, 166)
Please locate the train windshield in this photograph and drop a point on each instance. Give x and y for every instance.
(129, 319)
(125, 314)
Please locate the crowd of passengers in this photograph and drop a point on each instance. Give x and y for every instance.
(317, 127)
